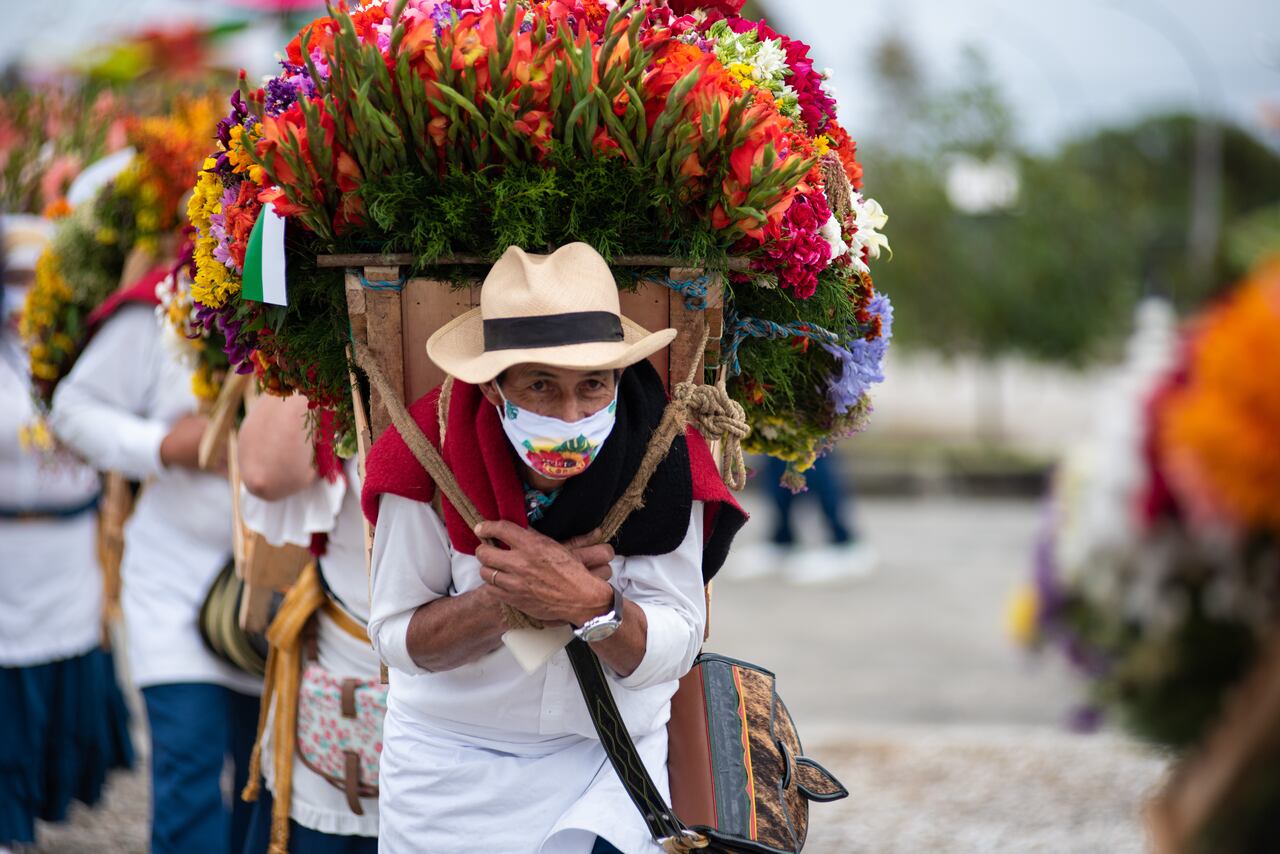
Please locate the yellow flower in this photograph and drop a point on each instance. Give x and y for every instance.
(213, 281)
(821, 144)
(741, 72)
(239, 152)
(204, 385)
(35, 436)
(1022, 614)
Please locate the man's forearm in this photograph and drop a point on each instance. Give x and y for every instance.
(624, 649)
(455, 630)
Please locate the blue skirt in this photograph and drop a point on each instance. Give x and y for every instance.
(63, 726)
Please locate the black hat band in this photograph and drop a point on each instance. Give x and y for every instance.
(552, 330)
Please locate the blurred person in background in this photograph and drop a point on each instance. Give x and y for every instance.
(843, 556)
(315, 804)
(63, 720)
(127, 406)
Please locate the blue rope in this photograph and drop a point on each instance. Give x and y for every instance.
(694, 291)
(383, 285)
(741, 328)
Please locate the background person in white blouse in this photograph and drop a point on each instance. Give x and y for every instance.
(127, 406)
(544, 430)
(63, 720)
(286, 500)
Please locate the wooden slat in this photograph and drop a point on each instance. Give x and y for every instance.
(384, 339)
(272, 567)
(650, 306)
(222, 418)
(690, 325)
(114, 509)
(426, 305)
(238, 534)
(375, 259)
(363, 442)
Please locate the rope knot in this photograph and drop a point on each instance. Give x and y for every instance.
(719, 418)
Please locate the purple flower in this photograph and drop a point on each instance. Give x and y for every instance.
(282, 92)
(442, 16)
(237, 344)
(1084, 719)
(861, 361)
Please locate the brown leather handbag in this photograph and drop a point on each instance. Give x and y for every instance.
(740, 783)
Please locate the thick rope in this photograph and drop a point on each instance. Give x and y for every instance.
(442, 407)
(709, 408)
(430, 459)
(835, 181)
(714, 413)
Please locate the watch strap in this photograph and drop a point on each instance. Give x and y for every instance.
(613, 616)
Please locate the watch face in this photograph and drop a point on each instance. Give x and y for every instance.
(591, 634)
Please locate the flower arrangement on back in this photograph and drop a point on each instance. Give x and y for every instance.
(48, 134)
(1161, 592)
(446, 127)
(130, 226)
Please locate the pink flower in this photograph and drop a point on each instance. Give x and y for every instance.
(795, 250)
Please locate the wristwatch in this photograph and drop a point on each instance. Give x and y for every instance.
(603, 626)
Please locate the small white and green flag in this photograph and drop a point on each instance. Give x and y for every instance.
(264, 269)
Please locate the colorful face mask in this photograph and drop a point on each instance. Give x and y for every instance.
(554, 448)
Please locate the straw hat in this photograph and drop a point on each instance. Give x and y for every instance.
(559, 309)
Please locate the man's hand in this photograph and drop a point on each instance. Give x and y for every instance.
(547, 580)
(181, 447)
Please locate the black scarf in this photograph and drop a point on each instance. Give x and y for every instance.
(660, 525)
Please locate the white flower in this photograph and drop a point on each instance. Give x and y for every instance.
(831, 233)
(868, 219)
(769, 62)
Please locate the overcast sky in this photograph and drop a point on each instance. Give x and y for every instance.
(1065, 65)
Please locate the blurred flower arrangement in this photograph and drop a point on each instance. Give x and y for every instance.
(48, 134)
(467, 126)
(1161, 572)
(130, 225)
(200, 347)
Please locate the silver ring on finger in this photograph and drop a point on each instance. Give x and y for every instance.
(493, 578)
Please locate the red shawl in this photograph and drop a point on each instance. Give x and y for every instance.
(141, 291)
(478, 453)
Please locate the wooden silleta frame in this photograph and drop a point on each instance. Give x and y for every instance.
(393, 318)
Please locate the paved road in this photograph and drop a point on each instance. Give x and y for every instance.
(904, 685)
(921, 640)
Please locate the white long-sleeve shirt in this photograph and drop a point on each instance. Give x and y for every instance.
(333, 509)
(115, 407)
(50, 584)
(527, 729)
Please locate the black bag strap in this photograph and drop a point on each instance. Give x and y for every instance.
(664, 825)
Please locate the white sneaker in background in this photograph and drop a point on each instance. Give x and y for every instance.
(755, 560)
(831, 563)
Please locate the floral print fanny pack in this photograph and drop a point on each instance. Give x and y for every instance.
(340, 731)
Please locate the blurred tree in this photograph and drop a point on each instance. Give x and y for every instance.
(1096, 224)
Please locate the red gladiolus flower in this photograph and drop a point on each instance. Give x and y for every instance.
(319, 34)
(240, 218)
